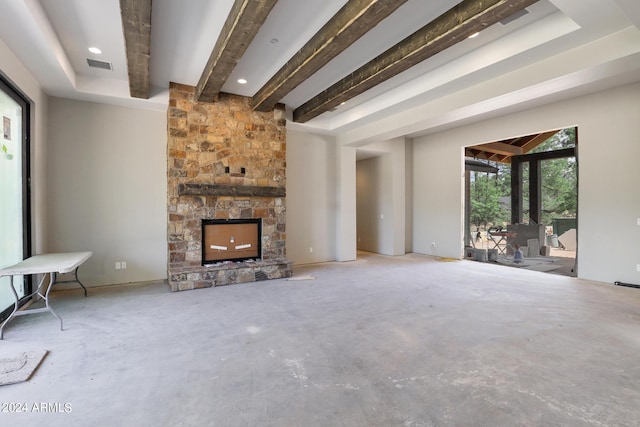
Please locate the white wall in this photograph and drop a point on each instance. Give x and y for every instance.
(107, 182)
(438, 196)
(311, 197)
(408, 200)
(20, 77)
(608, 202)
(346, 238)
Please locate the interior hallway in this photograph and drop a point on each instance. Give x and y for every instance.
(380, 341)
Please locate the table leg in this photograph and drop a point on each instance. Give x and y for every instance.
(78, 280)
(15, 308)
(38, 291)
(55, 280)
(46, 298)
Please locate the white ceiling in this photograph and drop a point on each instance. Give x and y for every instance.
(559, 49)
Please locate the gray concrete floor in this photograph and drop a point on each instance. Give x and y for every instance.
(564, 266)
(402, 341)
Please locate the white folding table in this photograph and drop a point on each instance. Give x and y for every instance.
(52, 264)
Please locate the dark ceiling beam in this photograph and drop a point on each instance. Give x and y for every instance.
(242, 25)
(547, 155)
(477, 166)
(136, 27)
(351, 22)
(453, 26)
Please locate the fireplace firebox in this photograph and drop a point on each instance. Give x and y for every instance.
(231, 240)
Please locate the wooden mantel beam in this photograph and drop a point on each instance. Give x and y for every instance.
(351, 22)
(136, 26)
(242, 25)
(453, 26)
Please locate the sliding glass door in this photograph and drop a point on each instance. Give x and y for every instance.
(14, 191)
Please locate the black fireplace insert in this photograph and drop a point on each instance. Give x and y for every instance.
(231, 240)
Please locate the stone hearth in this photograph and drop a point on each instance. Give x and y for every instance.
(225, 161)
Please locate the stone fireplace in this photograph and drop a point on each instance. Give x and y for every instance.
(226, 164)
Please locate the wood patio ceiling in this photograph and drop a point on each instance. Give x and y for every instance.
(502, 151)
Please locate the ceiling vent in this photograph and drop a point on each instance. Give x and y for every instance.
(517, 15)
(99, 64)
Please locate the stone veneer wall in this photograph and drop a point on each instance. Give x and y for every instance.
(203, 140)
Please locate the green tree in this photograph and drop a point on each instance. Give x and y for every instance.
(486, 192)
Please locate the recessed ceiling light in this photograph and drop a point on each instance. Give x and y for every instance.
(95, 50)
(242, 81)
(473, 35)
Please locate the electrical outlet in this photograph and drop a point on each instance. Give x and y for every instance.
(123, 264)
(118, 265)
(310, 250)
(638, 267)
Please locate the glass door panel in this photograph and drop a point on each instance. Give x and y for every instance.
(12, 192)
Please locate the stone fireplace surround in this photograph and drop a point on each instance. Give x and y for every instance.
(225, 161)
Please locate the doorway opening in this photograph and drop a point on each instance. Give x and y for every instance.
(522, 202)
